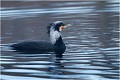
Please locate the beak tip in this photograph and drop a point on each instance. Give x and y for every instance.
(68, 25)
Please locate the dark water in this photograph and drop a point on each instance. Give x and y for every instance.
(92, 43)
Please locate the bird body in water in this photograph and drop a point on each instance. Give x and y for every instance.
(56, 43)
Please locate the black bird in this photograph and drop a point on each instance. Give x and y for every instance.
(56, 43)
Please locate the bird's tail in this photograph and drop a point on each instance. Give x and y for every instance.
(6, 47)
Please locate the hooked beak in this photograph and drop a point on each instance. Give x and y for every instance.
(62, 27)
(67, 25)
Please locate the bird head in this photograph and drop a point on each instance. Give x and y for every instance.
(54, 31)
(57, 26)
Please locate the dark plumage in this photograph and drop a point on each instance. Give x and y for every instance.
(56, 43)
(27, 46)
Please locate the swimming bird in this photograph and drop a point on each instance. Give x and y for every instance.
(55, 44)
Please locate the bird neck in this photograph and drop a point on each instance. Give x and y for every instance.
(59, 42)
(55, 36)
(56, 40)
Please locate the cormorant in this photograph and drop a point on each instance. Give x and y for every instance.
(55, 44)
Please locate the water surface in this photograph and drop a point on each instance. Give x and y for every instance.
(92, 42)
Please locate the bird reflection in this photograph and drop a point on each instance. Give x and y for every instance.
(56, 65)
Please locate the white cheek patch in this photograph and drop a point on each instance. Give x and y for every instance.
(60, 29)
(54, 36)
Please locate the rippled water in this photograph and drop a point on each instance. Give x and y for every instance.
(92, 43)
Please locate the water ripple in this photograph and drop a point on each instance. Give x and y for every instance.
(92, 42)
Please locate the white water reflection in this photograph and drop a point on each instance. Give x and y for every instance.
(34, 12)
(92, 42)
